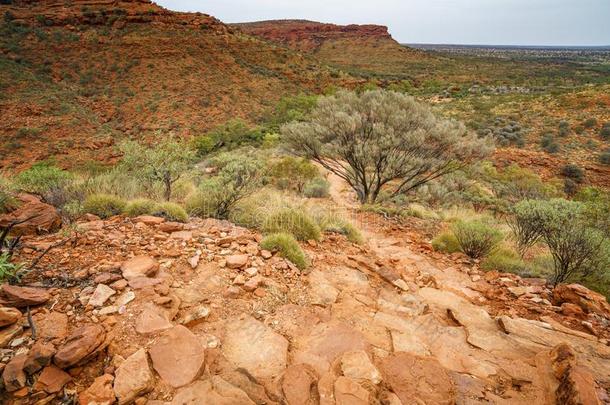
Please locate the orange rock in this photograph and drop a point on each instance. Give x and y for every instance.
(98, 393)
(52, 380)
(39, 217)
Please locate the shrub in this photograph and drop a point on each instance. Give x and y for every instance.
(8, 270)
(164, 163)
(228, 136)
(589, 123)
(140, 206)
(238, 177)
(516, 183)
(378, 137)
(604, 157)
(292, 173)
(573, 239)
(42, 179)
(525, 225)
(293, 221)
(317, 188)
(504, 260)
(605, 131)
(476, 238)
(573, 172)
(287, 246)
(170, 211)
(337, 224)
(7, 201)
(564, 128)
(104, 205)
(506, 131)
(549, 144)
(446, 242)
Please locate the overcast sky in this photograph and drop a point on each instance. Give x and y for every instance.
(497, 22)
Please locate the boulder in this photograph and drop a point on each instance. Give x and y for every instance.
(133, 378)
(100, 295)
(83, 343)
(9, 316)
(139, 266)
(416, 379)
(21, 297)
(40, 217)
(14, 377)
(589, 301)
(152, 320)
(299, 385)
(177, 356)
(39, 356)
(98, 393)
(169, 227)
(237, 261)
(52, 380)
(251, 345)
(215, 391)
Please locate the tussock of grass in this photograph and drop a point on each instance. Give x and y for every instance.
(287, 246)
(140, 206)
(104, 205)
(446, 242)
(170, 211)
(292, 221)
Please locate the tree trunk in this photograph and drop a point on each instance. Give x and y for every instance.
(168, 188)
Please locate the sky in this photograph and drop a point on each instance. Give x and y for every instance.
(488, 22)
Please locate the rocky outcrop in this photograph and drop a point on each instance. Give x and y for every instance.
(80, 346)
(22, 297)
(32, 217)
(589, 301)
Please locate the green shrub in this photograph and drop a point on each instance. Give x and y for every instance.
(589, 123)
(8, 270)
(549, 144)
(104, 205)
(317, 188)
(170, 211)
(140, 206)
(504, 260)
(287, 246)
(446, 242)
(7, 201)
(573, 172)
(604, 157)
(516, 183)
(42, 179)
(564, 128)
(228, 136)
(476, 238)
(238, 177)
(293, 221)
(605, 131)
(337, 224)
(292, 173)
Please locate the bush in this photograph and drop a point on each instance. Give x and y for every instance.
(476, 238)
(140, 206)
(7, 201)
(171, 212)
(287, 246)
(564, 128)
(293, 221)
(589, 123)
(605, 131)
(8, 270)
(238, 177)
(43, 179)
(317, 188)
(379, 137)
(572, 236)
(549, 144)
(228, 136)
(516, 184)
(506, 132)
(337, 224)
(446, 242)
(604, 157)
(573, 172)
(104, 205)
(292, 173)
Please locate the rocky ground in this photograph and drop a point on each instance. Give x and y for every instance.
(153, 312)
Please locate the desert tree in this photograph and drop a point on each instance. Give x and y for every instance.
(380, 138)
(165, 162)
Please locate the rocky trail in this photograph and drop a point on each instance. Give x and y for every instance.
(148, 311)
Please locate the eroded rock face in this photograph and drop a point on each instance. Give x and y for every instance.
(589, 301)
(177, 356)
(79, 346)
(133, 378)
(576, 383)
(255, 347)
(21, 297)
(416, 379)
(39, 217)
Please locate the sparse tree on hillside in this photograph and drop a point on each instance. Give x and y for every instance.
(381, 137)
(165, 162)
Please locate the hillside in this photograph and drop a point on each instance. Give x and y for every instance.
(351, 47)
(76, 75)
